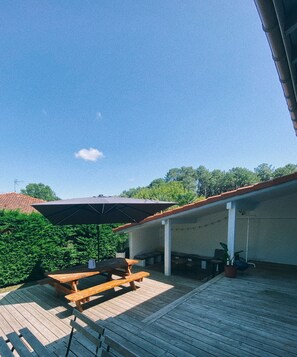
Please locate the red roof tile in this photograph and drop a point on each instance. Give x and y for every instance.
(18, 201)
(226, 195)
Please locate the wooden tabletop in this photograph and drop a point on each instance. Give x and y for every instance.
(82, 271)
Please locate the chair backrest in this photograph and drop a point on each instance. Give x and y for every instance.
(105, 346)
(89, 329)
(219, 254)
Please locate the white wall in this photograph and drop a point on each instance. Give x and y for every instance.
(146, 240)
(200, 238)
(272, 233)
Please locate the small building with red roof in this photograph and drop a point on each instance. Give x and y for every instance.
(17, 201)
(260, 219)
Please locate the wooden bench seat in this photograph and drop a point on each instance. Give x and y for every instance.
(82, 295)
(150, 257)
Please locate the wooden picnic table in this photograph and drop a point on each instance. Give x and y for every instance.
(71, 276)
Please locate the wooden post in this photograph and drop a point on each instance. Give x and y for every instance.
(231, 207)
(167, 247)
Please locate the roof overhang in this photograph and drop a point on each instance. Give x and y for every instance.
(279, 22)
(247, 198)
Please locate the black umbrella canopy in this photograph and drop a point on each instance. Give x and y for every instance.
(100, 210)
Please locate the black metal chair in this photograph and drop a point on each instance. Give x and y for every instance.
(104, 346)
(20, 343)
(217, 262)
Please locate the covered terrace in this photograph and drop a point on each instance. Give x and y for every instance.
(260, 219)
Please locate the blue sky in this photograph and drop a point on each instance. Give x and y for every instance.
(97, 97)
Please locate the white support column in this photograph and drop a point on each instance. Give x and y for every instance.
(231, 207)
(167, 247)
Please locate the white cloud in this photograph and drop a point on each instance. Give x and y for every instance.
(98, 116)
(89, 154)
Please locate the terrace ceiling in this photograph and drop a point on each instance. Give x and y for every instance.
(279, 21)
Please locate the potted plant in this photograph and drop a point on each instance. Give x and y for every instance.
(121, 250)
(229, 267)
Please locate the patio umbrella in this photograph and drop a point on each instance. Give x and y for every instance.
(99, 210)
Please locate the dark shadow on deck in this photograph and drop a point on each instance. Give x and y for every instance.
(254, 314)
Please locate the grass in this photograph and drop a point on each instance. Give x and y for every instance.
(16, 287)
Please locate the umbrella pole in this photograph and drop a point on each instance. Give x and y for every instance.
(98, 241)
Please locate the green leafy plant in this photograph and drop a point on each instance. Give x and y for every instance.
(228, 260)
(30, 245)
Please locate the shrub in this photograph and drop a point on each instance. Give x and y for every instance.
(30, 245)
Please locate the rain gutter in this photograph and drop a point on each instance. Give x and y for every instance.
(272, 18)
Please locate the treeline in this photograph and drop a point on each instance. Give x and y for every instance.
(187, 184)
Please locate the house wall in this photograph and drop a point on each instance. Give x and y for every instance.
(145, 240)
(272, 233)
(200, 238)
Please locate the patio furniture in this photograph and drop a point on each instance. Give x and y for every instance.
(150, 258)
(118, 266)
(103, 345)
(20, 343)
(217, 263)
(27, 345)
(66, 280)
(241, 264)
(100, 210)
(82, 296)
(179, 264)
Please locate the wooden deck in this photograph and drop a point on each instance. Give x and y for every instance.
(252, 315)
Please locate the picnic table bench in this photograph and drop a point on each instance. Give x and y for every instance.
(150, 257)
(66, 281)
(83, 295)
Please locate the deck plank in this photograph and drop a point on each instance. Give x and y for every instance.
(252, 315)
(161, 338)
(260, 339)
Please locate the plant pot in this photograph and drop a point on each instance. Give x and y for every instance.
(230, 271)
(121, 255)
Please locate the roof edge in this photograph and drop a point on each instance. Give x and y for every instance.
(232, 195)
(268, 13)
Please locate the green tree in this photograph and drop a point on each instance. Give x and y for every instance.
(265, 172)
(39, 190)
(186, 175)
(170, 191)
(238, 177)
(157, 182)
(216, 185)
(132, 192)
(203, 181)
(285, 170)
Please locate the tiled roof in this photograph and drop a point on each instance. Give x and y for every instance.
(18, 201)
(226, 195)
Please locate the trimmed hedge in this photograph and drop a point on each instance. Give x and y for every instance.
(30, 245)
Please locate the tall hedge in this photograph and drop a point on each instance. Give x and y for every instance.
(30, 245)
